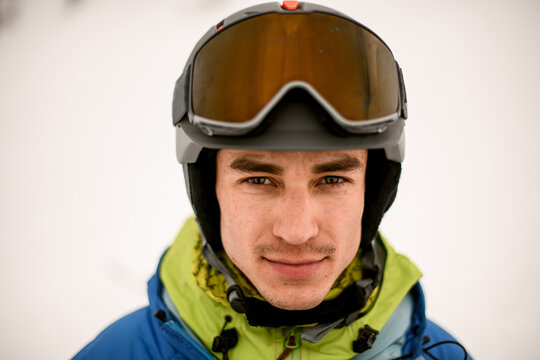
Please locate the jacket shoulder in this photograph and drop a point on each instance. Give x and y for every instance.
(442, 345)
(427, 338)
(131, 337)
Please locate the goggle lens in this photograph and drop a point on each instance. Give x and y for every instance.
(242, 68)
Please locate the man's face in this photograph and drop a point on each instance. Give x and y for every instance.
(291, 221)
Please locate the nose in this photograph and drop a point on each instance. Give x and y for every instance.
(295, 219)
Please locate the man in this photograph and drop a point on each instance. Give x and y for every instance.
(289, 121)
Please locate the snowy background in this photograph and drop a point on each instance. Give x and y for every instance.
(91, 195)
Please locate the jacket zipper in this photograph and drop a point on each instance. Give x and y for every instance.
(289, 346)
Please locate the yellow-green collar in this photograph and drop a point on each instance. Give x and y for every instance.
(204, 311)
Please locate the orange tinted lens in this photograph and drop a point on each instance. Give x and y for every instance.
(238, 71)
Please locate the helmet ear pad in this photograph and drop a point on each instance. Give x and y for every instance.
(201, 180)
(382, 178)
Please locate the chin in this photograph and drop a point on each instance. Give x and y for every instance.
(293, 302)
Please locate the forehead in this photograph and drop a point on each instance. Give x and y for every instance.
(283, 158)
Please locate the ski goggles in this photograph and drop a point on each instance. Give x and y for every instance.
(245, 65)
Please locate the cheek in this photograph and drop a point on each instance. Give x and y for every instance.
(344, 219)
(236, 213)
(348, 207)
(242, 224)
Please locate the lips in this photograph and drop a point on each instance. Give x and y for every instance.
(295, 269)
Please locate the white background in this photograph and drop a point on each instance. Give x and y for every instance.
(90, 192)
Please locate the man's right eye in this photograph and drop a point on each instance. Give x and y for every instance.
(259, 180)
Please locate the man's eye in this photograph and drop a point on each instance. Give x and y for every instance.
(258, 180)
(332, 180)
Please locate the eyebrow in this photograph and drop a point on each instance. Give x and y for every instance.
(345, 163)
(248, 165)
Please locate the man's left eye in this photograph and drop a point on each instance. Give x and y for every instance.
(332, 180)
(259, 180)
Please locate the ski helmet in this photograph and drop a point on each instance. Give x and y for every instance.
(293, 76)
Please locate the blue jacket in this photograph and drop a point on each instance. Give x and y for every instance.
(154, 333)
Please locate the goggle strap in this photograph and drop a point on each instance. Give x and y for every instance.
(402, 93)
(213, 260)
(181, 96)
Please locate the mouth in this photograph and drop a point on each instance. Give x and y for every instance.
(295, 269)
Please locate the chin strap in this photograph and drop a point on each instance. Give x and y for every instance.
(330, 314)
